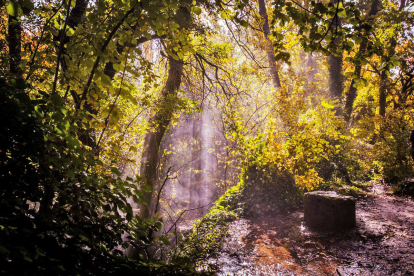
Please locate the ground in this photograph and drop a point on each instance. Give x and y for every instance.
(280, 244)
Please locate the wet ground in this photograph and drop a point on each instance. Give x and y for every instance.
(280, 244)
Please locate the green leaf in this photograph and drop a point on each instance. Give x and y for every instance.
(114, 170)
(180, 55)
(128, 216)
(27, 6)
(244, 23)
(12, 8)
(70, 32)
(396, 63)
(326, 105)
(165, 240)
(146, 188)
(56, 99)
(342, 12)
(70, 173)
(350, 44)
(4, 250)
(197, 10)
(83, 238)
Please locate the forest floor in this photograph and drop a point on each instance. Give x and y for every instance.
(280, 244)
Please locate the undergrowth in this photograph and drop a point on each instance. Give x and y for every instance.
(208, 232)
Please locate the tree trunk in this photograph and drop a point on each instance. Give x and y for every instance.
(196, 165)
(269, 46)
(153, 138)
(352, 92)
(313, 67)
(384, 77)
(335, 75)
(383, 94)
(14, 41)
(149, 161)
(336, 80)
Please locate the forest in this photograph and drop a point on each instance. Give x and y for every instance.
(179, 137)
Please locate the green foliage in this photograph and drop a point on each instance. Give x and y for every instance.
(392, 150)
(61, 211)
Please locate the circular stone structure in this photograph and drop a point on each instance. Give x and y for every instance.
(329, 211)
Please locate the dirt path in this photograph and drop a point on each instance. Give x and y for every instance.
(279, 244)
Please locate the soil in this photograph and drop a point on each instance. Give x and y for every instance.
(280, 244)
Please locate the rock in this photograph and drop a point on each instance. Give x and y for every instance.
(329, 211)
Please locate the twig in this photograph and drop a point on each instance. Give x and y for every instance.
(188, 210)
(167, 177)
(103, 48)
(38, 44)
(62, 35)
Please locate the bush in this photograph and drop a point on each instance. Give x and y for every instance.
(62, 211)
(392, 150)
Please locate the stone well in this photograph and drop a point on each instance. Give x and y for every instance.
(329, 211)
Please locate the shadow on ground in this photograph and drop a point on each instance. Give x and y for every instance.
(280, 244)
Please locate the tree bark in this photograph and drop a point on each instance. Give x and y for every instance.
(152, 141)
(335, 76)
(352, 92)
(159, 122)
(384, 77)
(336, 80)
(383, 94)
(269, 46)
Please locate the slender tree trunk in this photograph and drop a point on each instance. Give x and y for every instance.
(312, 66)
(269, 46)
(14, 41)
(383, 86)
(352, 92)
(336, 79)
(384, 77)
(160, 121)
(335, 76)
(196, 165)
(383, 94)
(149, 161)
(153, 138)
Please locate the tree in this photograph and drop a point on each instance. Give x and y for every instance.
(269, 47)
(351, 94)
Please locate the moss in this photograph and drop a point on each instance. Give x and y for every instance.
(208, 232)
